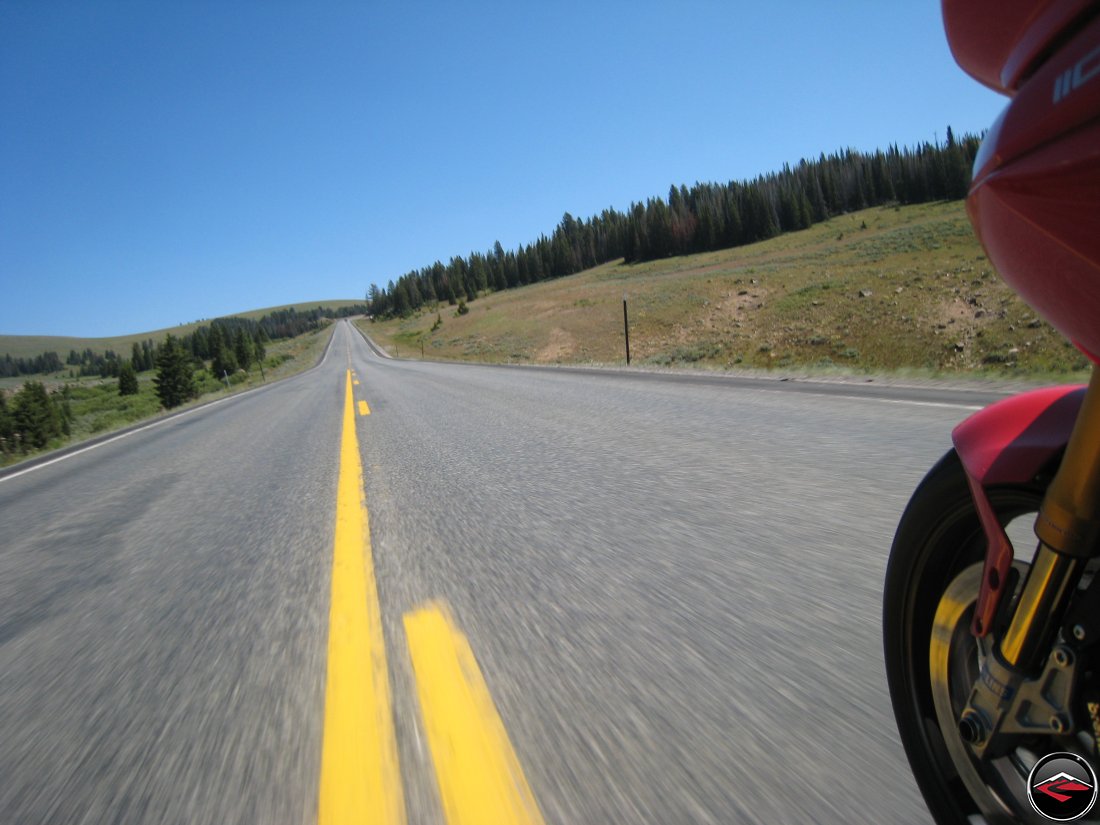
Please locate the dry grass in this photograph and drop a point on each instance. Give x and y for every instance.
(882, 290)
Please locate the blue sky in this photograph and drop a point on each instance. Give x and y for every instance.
(169, 161)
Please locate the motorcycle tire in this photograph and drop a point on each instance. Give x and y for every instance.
(939, 547)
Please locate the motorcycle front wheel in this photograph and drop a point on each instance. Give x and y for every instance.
(932, 659)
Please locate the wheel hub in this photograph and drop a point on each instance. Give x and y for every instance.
(998, 782)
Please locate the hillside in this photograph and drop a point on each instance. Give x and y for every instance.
(884, 289)
(28, 346)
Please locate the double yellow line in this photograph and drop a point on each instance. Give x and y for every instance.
(479, 777)
(360, 778)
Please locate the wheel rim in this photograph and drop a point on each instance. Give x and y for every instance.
(998, 786)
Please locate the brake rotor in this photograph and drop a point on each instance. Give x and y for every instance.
(998, 786)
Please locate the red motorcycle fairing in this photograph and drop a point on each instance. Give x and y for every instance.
(1010, 442)
(1035, 205)
(1035, 199)
(999, 43)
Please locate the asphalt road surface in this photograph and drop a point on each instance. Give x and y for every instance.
(671, 587)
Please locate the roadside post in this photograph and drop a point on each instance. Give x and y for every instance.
(626, 330)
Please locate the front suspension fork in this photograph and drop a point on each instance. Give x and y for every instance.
(1008, 698)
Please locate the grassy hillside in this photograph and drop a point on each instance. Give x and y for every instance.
(28, 346)
(97, 407)
(885, 289)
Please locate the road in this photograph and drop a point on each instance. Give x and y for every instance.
(671, 588)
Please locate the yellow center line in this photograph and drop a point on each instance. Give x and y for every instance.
(360, 776)
(480, 778)
(363, 408)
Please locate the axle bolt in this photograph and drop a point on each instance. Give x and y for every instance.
(1059, 723)
(1079, 632)
(971, 728)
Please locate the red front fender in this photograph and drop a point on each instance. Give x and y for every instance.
(1010, 442)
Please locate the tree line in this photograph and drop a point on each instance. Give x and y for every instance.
(235, 343)
(46, 362)
(33, 417)
(703, 218)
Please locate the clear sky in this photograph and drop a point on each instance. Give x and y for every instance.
(170, 161)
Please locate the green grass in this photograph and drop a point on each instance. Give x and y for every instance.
(28, 346)
(98, 408)
(886, 290)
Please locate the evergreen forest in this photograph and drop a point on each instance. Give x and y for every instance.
(231, 343)
(703, 218)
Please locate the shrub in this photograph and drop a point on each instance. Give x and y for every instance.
(127, 380)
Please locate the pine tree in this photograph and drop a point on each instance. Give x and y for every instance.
(215, 340)
(37, 417)
(174, 381)
(7, 427)
(223, 363)
(127, 379)
(401, 299)
(243, 349)
(65, 411)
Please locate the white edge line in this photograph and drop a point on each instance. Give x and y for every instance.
(121, 436)
(910, 402)
(944, 404)
(150, 425)
(117, 438)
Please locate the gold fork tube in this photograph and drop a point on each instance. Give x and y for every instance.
(1068, 527)
(1069, 520)
(1046, 593)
